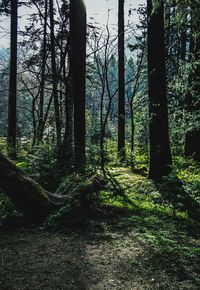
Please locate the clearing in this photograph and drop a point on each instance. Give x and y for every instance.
(147, 244)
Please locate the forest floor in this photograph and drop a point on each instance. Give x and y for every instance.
(149, 244)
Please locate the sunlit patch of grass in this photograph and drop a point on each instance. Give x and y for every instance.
(161, 229)
(146, 202)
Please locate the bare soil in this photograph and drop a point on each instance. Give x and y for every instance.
(33, 259)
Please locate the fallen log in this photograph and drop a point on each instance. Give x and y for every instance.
(34, 201)
(26, 193)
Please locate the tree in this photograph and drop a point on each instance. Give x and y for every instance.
(54, 74)
(27, 194)
(78, 72)
(193, 95)
(137, 69)
(12, 100)
(160, 154)
(40, 128)
(121, 100)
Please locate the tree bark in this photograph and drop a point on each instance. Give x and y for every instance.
(160, 154)
(183, 45)
(41, 102)
(121, 80)
(54, 75)
(35, 202)
(78, 72)
(192, 144)
(66, 155)
(12, 99)
(27, 194)
(132, 136)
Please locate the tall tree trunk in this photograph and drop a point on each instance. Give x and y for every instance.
(160, 154)
(121, 80)
(54, 75)
(183, 45)
(78, 72)
(12, 100)
(67, 146)
(41, 102)
(132, 136)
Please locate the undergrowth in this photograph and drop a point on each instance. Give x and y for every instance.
(125, 193)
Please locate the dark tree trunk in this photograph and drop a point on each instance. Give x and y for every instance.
(132, 136)
(183, 45)
(12, 111)
(35, 202)
(54, 75)
(192, 144)
(28, 195)
(41, 103)
(160, 155)
(121, 80)
(168, 28)
(66, 158)
(78, 72)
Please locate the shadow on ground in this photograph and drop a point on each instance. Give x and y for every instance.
(143, 245)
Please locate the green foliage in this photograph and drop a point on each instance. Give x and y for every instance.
(3, 147)
(188, 172)
(8, 211)
(76, 212)
(156, 5)
(43, 165)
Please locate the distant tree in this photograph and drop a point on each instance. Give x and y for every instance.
(137, 70)
(160, 154)
(194, 77)
(192, 139)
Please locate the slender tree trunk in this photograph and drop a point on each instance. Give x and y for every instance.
(168, 27)
(41, 103)
(54, 75)
(12, 100)
(160, 154)
(132, 136)
(78, 72)
(191, 44)
(34, 122)
(121, 100)
(102, 133)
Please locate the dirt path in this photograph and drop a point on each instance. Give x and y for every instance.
(36, 260)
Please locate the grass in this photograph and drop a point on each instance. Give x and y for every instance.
(141, 238)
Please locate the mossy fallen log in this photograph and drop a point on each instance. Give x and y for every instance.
(27, 194)
(31, 198)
